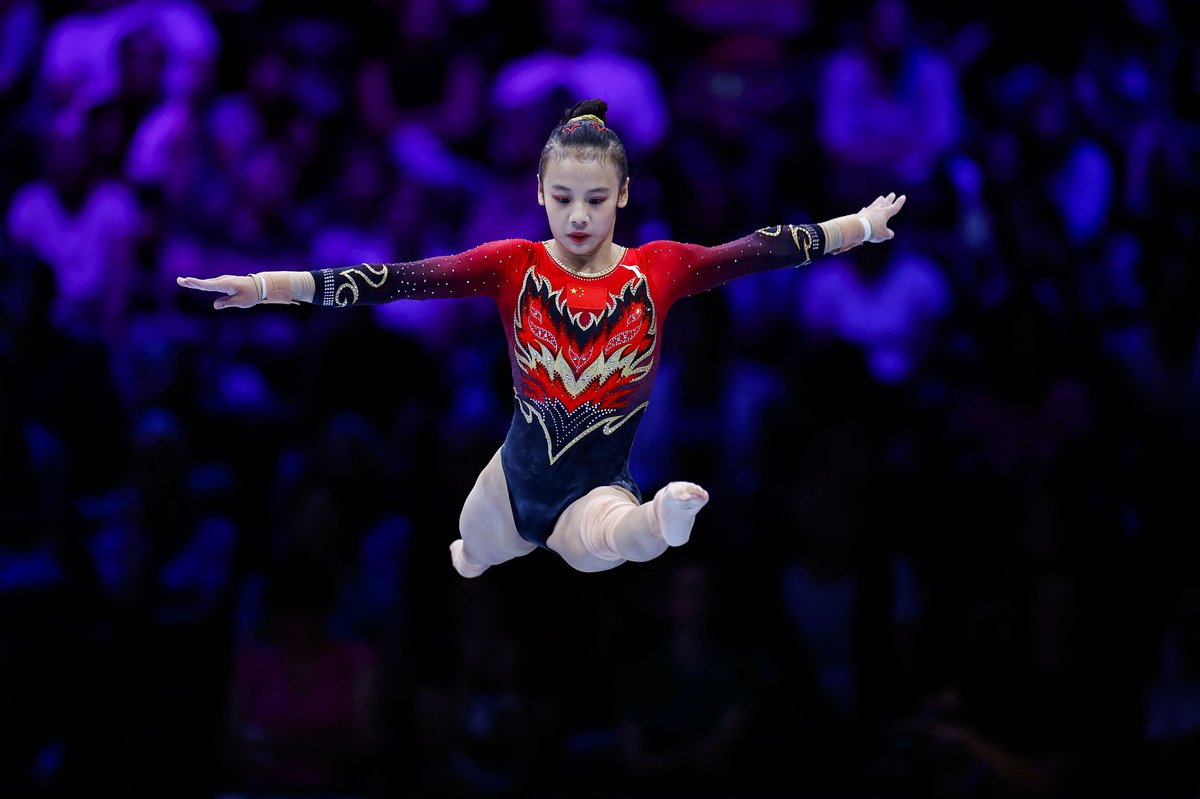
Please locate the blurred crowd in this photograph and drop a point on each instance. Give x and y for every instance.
(952, 547)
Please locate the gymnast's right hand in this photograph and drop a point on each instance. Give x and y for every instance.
(240, 291)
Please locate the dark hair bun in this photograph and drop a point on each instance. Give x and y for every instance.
(595, 106)
(595, 138)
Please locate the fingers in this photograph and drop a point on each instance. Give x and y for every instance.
(891, 202)
(885, 207)
(226, 284)
(211, 284)
(896, 203)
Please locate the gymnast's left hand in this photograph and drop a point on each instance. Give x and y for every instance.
(879, 213)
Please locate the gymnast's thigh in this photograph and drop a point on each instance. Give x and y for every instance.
(486, 523)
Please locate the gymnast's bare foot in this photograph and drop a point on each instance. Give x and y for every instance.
(462, 562)
(677, 504)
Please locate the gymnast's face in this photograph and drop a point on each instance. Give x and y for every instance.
(581, 197)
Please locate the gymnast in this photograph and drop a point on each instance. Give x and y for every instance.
(584, 319)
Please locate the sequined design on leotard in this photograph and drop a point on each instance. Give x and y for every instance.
(579, 367)
(805, 237)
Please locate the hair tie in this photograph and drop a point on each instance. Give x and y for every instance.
(575, 123)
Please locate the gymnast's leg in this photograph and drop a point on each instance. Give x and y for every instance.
(607, 526)
(489, 534)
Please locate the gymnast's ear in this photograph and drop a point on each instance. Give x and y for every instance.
(541, 194)
(622, 195)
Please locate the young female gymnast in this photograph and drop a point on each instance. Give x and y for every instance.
(584, 320)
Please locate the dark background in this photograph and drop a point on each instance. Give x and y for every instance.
(952, 543)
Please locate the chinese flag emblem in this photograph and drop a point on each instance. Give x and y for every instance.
(586, 297)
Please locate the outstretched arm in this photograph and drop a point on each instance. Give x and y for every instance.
(479, 271)
(687, 269)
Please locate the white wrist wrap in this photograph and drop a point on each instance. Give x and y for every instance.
(867, 231)
(260, 285)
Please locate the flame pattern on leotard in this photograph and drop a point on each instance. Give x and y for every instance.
(580, 367)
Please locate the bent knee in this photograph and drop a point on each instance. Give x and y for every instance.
(576, 555)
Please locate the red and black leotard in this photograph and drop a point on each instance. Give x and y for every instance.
(584, 350)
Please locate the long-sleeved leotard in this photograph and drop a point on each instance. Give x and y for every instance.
(583, 349)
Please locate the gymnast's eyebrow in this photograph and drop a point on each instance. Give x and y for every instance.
(560, 187)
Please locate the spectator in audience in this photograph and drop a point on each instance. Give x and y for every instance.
(1041, 709)
(890, 304)
(686, 718)
(22, 33)
(1170, 712)
(301, 713)
(86, 227)
(888, 105)
(426, 123)
(55, 370)
(21, 29)
(583, 55)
